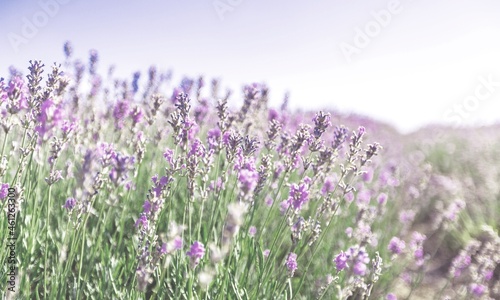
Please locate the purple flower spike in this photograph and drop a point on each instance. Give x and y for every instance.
(142, 222)
(147, 207)
(120, 111)
(169, 156)
(291, 263)
(359, 268)
(341, 261)
(196, 252)
(248, 180)
(163, 249)
(70, 203)
(396, 246)
(4, 190)
(299, 195)
(197, 149)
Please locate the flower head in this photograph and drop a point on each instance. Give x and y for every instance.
(196, 252)
(396, 246)
(142, 222)
(341, 261)
(252, 231)
(382, 198)
(4, 190)
(70, 203)
(291, 263)
(477, 289)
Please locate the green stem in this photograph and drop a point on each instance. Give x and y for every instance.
(59, 265)
(46, 265)
(81, 263)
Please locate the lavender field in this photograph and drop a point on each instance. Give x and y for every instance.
(152, 188)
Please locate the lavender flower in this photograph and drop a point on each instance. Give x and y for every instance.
(266, 252)
(396, 246)
(460, 263)
(341, 261)
(272, 115)
(142, 222)
(120, 111)
(407, 216)
(54, 177)
(340, 135)
(96, 83)
(368, 175)
(79, 70)
(477, 289)
(391, 296)
(3, 93)
(67, 127)
(355, 255)
(135, 80)
(169, 156)
(299, 194)
(146, 207)
(177, 243)
(163, 249)
(159, 184)
(121, 164)
(321, 122)
(349, 197)
(329, 185)
(94, 57)
(247, 180)
(417, 245)
(186, 85)
(136, 115)
(201, 111)
(291, 263)
(197, 149)
(360, 261)
(196, 252)
(214, 138)
(107, 153)
(68, 49)
(4, 190)
(70, 204)
(49, 117)
(252, 231)
(382, 198)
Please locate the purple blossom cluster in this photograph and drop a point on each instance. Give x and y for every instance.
(355, 258)
(196, 252)
(298, 196)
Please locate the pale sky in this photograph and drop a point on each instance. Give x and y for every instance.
(411, 63)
